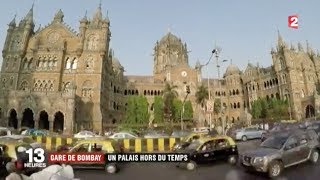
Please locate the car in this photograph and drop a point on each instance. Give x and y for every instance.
(123, 135)
(20, 138)
(210, 150)
(201, 130)
(278, 128)
(316, 127)
(97, 145)
(245, 134)
(281, 151)
(34, 132)
(5, 131)
(85, 134)
(187, 140)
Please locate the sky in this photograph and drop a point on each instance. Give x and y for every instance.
(245, 30)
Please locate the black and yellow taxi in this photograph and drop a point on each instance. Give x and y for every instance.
(209, 150)
(97, 146)
(187, 140)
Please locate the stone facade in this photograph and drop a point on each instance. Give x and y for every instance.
(293, 75)
(55, 78)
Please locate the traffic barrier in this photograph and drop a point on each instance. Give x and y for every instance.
(133, 145)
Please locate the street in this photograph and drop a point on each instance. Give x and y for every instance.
(218, 171)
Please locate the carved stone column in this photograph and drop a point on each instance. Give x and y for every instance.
(51, 120)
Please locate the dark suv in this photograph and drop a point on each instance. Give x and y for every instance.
(283, 150)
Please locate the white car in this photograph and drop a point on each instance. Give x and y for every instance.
(85, 134)
(5, 131)
(123, 135)
(20, 138)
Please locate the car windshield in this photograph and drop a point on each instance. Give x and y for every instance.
(194, 145)
(275, 142)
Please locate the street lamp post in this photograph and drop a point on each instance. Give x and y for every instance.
(209, 94)
(183, 103)
(216, 52)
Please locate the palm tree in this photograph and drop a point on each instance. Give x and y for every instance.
(169, 94)
(202, 95)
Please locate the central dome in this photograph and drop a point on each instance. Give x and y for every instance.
(169, 38)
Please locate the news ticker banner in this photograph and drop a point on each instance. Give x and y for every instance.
(38, 157)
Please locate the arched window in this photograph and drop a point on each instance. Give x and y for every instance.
(238, 105)
(68, 63)
(74, 64)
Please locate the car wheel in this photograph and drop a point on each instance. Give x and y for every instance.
(233, 159)
(191, 165)
(314, 158)
(275, 169)
(111, 168)
(244, 138)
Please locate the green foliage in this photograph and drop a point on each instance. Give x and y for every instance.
(137, 110)
(202, 95)
(177, 108)
(168, 97)
(188, 110)
(158, 109)
(273, 109)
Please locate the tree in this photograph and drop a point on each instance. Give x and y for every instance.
(202, 95)
(137, 110)
(177, 108)
(130, 117)
(169, 94)
(158, 109)
(142, 110)
(274, 109)
(188, 110)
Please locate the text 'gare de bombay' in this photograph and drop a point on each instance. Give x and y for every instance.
(113, 157)
(79, 157)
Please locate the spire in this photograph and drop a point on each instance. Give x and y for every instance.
(29, 17)
(58, 17)
(300, 48)
(98, 14)
(13, 22)
(281, 43)
(292, 47)
(107, 17)
(84, 19)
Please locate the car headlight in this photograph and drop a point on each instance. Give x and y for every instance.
(260, 160)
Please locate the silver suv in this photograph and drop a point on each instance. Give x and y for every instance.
(283, 150)
(248, 133)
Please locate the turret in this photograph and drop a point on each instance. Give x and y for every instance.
(12, 26)
(28, 28)
(58, 17)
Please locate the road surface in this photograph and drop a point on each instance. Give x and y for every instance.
(218, 171)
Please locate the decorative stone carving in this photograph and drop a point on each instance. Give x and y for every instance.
(53, 37)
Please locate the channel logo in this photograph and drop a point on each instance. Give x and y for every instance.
(293, 21)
